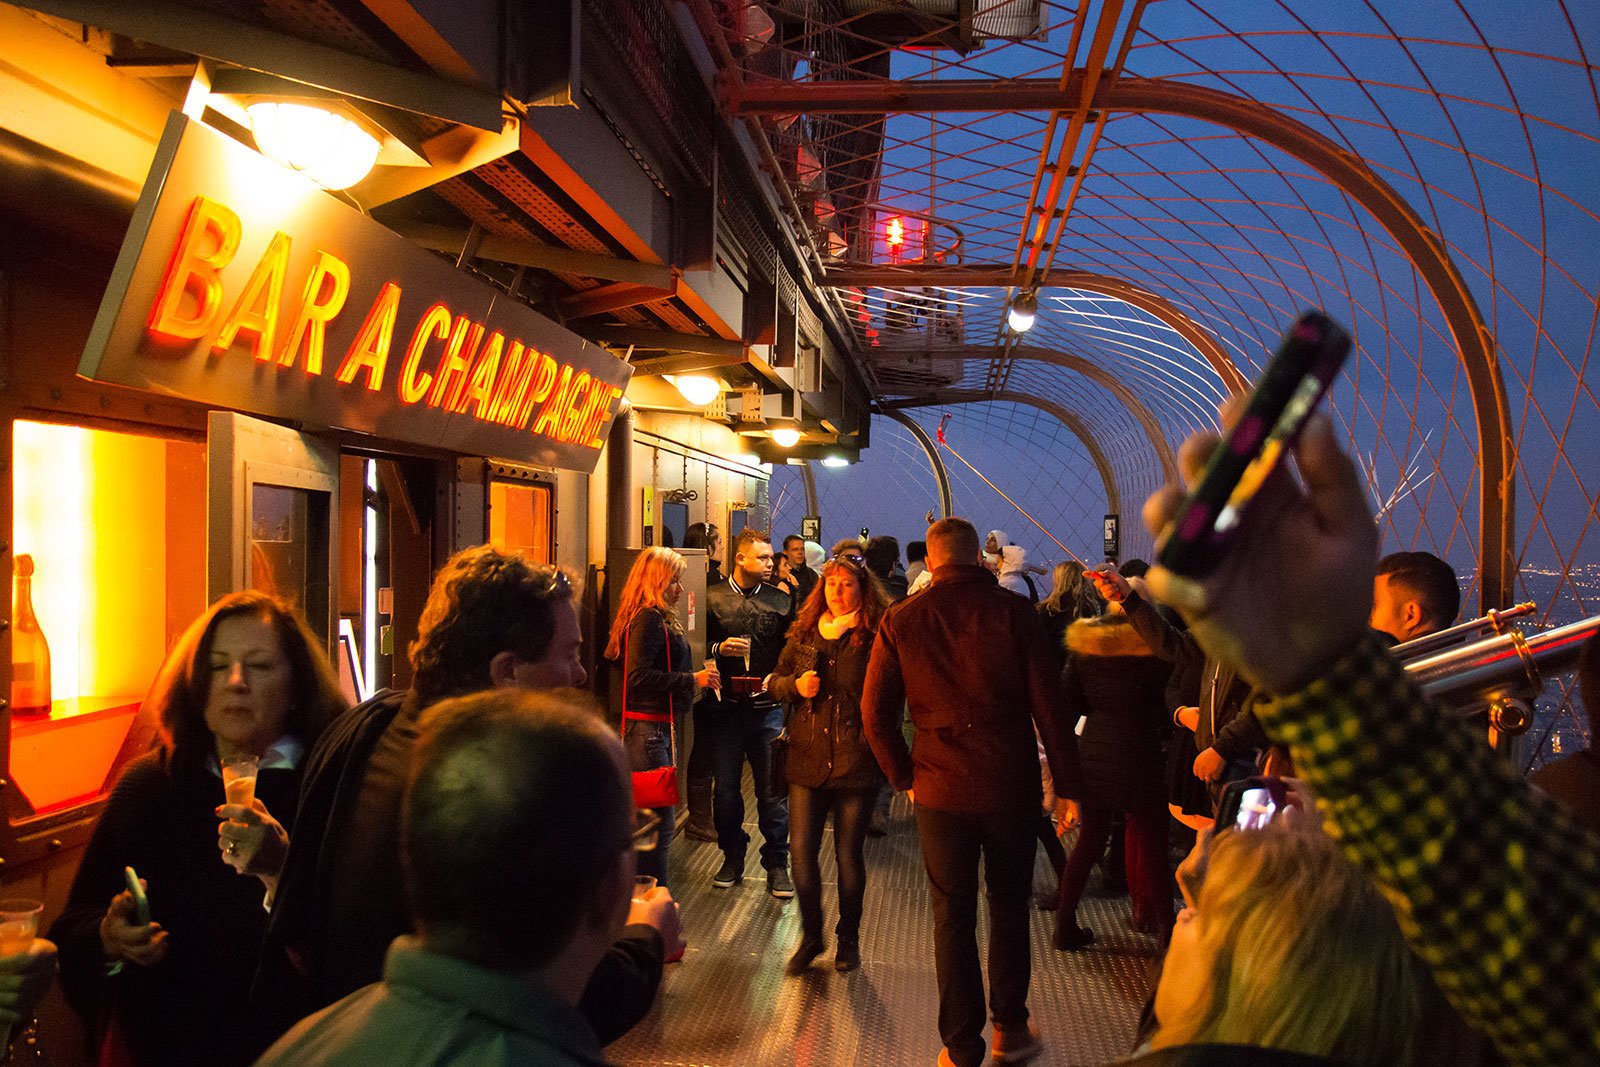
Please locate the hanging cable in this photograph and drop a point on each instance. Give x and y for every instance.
(1023, 511)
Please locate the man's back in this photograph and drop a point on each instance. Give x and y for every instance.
(435, 1011)
(974, 668)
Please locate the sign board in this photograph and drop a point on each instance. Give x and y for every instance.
(241, 284)
(647, 516)
(1113, 537)
(811, 528)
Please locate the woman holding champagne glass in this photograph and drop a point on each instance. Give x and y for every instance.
(165, 980)
(829, 765)
(659, 681)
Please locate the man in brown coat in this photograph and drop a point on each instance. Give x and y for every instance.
(972, 662)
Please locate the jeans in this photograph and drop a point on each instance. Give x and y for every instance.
(1149, 875)
(746, 734)
(808, 812)
(649, 746)
(951, 845)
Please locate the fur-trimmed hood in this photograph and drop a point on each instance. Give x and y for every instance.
(1108, 635)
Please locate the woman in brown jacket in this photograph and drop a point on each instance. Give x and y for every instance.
(830, 766)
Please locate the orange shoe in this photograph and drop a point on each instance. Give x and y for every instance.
(1014, 1046)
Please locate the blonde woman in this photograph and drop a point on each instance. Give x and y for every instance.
(1285, 945)
(659, 680)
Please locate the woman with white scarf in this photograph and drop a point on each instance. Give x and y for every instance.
(829, 765)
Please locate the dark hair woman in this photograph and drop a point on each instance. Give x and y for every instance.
(245, 679)
(659, 681)
(1114, 679)
(830, 766)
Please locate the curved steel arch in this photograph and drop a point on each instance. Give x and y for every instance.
(808, 478)
(1346, 170)
(1079, 428)
(936, 461)
(1496, 492)
(1126, 291)
(1095, 372)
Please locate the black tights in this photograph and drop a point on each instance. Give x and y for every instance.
(808, 813)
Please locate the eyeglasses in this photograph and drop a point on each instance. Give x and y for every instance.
(646, 830)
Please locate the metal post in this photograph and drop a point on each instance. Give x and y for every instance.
(622, 519)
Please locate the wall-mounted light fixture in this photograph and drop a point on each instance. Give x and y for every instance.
(1024, 307)
(786, 436)
(330, 147)
(698, 389)
(331, 140)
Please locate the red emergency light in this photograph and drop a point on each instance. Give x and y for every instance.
(895, 235)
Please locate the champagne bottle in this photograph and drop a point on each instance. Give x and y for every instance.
(30, 653)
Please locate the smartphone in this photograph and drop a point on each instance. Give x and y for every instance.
(1287, 392)
(1251, 803)
(865, 533)
(141, 902)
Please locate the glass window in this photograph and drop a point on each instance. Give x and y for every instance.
(520, 519)
(111, 527)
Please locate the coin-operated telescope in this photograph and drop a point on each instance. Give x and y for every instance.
(1501, 674)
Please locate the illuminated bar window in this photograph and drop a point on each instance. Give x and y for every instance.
(114, 526)
(520, 519)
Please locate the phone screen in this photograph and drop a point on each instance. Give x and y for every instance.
(1257, 808)
(1288, 391)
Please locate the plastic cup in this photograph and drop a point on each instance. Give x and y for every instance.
(239, 779)
(643, 886)
(19, 924)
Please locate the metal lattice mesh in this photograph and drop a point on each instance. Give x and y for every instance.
(1375, 136)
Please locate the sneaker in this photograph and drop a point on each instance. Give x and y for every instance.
(730, 875)
(847, 957)
(806, 952)
(778, 883)
(1016, 1044)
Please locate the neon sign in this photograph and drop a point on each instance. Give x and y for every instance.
(298, 306)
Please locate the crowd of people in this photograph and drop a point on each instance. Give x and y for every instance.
(475, 870)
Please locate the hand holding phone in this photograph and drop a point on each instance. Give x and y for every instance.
(127, 935)
(141, 902)
(1290, 387)
(1251, 803)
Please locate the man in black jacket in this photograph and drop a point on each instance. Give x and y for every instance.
(492, 620)
(805, 579)
(748, 620)
(972, 662)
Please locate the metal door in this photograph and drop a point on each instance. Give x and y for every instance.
(272, 523)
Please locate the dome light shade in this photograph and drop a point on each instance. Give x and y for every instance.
(328, 147)
(1020, 315)
(698, 389)
(786, 436)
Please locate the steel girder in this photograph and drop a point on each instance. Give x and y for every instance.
(936, 461)
(1079, 428)
(1345, 169)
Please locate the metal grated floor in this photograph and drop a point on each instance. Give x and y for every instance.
(729, 1004)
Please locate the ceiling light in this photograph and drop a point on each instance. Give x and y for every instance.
(835, 461)
(698, 389)
(786, 436)
(327, 146)
(1020, 315)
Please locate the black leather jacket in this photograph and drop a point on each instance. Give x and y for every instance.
(763, 614)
